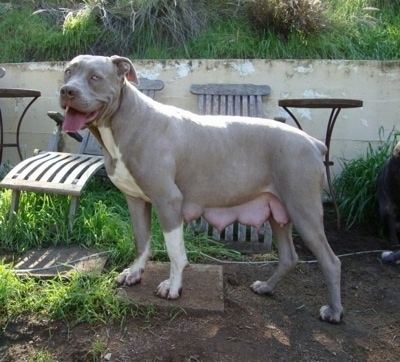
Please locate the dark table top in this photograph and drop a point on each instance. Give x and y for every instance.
(320, 103)
(18, 92)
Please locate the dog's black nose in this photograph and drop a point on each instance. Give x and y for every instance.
(67, 91)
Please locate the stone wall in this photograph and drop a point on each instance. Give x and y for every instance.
(377, 83)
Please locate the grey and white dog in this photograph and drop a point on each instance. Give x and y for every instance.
(185, 165)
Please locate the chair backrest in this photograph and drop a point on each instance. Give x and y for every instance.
(231, 99)
(89, 144)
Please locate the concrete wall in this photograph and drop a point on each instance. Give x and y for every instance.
(376, 83)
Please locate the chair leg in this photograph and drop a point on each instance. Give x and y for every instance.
(72, 211)
(14, 204)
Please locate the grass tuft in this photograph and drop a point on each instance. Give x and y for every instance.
(355, 188)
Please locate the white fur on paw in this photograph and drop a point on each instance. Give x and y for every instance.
(128, 277)
(385, 254)
(261, 288)
(165, 290)
(326, 314)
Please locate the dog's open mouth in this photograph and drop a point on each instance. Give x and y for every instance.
(75, 121)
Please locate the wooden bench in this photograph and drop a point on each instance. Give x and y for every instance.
(235, 100)
(63, 173)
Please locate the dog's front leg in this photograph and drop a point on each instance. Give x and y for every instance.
(170, 215)
(140, 211)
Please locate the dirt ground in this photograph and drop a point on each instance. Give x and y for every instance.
(283, 327)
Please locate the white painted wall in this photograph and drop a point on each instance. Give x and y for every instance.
(376, 83)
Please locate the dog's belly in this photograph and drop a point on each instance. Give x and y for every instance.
(254, 212)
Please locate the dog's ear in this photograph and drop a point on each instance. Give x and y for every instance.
(126, 68)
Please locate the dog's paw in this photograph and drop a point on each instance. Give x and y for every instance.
(388, 257)
(261, 288)
(167, 291)
(129, 277)
(326, 314)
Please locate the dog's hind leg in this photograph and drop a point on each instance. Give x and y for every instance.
(287, 258)
(312, 233)
(140, 211)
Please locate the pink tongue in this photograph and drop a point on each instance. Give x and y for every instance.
(74, 121)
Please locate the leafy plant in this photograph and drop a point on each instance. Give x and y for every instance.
(355, 188)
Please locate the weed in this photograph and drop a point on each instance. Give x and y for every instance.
(41, 356)
(96, 350)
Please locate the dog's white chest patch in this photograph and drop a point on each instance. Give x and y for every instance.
(121, 177)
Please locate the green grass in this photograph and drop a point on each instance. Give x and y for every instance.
(81, 298)
(193, 29)
(103, 222)
(356, 187)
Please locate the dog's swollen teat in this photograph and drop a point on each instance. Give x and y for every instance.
(253, 213)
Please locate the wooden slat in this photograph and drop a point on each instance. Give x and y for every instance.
(60, 173)
(222, 105)
(44, 187)
(229, 232)
(230, 107)
(46, 171)
(84, 172)
(254, 234)
(242, 232)
(208, 104)
(230, 89)
(259, 111)
(23, 169)
(245, 107)
(90, 146)
(202, 101)
(149, 84)
(215, 104)
(252, 106)
(238, 106)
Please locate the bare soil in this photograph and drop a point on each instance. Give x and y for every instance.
(283, 327)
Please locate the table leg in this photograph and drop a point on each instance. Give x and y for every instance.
(293, 117)
(19, 126)
(329, 129)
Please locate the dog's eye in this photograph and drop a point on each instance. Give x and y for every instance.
(96, 77)
(68, 72)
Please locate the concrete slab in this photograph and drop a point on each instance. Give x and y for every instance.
(202, 288)
(61, 259)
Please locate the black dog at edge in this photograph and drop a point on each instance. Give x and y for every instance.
(388, 195)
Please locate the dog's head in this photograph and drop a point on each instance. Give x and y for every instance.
(92, 88)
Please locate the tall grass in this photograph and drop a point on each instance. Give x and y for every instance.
(58, 30)
(356, 186)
